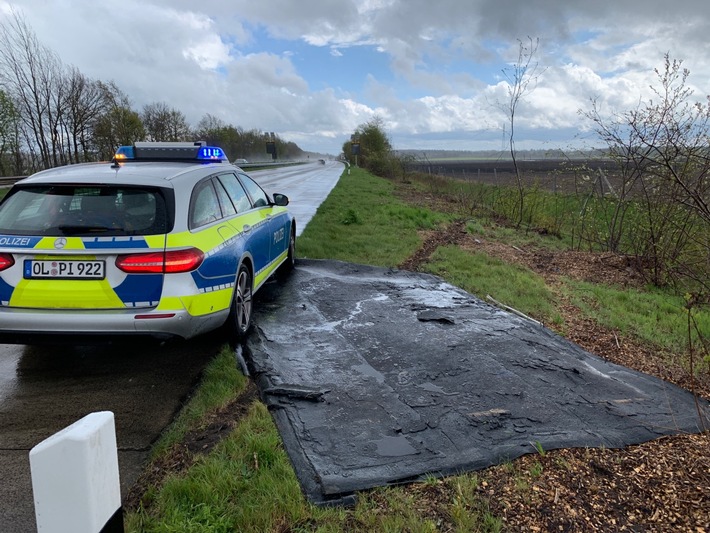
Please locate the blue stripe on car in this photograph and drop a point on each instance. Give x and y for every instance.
(147, 286)
(5, 292)
(19, 242)
(114, 242)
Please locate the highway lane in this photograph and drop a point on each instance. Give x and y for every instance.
(44, 389)
(305, 185)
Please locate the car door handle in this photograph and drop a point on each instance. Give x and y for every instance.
(246, 228)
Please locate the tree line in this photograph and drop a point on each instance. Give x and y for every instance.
(51, 114)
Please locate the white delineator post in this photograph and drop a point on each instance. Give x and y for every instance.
(75, 478)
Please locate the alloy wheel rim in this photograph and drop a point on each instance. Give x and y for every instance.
(243, 301)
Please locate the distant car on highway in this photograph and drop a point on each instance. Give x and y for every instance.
(240, 161)
(168, 241)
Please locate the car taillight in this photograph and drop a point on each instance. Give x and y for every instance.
(171, 262)
(6, 261)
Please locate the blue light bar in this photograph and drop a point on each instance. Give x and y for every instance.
(171, 151)
(124, 152)
(211, 153)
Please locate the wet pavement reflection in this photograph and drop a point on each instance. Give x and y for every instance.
(46, 388)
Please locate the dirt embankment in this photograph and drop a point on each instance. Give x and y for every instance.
(662, 485)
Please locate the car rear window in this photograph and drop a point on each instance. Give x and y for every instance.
(79, 210)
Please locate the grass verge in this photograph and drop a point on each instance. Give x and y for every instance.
(246, 482)
(221, 382)
(653, 316)
(483, 275)
(362, 222)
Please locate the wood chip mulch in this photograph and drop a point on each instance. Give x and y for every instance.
(662, 485)
(657, 486)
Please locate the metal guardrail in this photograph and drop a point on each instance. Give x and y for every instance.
(268, 164)
(7, 181)
(10, 180)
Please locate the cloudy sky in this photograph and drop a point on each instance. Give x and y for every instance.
(434, 71)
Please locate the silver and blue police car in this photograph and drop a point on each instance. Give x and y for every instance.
(169, 240)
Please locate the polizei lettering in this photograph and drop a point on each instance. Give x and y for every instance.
(279, 236)
(6, 240)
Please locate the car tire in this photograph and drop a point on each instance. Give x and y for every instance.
(288, 265)
(239, 320)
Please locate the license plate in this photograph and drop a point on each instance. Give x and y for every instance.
(65, 269)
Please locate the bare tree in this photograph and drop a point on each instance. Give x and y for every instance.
(85, 101)
(54, 104)
(522, 76)
(209, 123)
(661, 148)
(61, 117)
(163, 123)
(8, 136)
(31, 74)
(622, 148)
(117, 125)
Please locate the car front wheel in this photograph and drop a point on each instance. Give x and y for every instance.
(288, 265)
(240, 314)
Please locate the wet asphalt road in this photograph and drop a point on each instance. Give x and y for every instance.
(44, 389)
(305, 185)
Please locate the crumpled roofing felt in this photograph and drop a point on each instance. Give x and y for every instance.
(378, 376)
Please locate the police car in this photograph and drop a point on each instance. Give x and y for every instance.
(169, 240)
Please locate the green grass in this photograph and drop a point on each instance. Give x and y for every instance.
(362, 222)
(521, 239)
(669, 235)
(221, 382)
(468, 512)
(653, 316)
(483, 275)
(247, 483)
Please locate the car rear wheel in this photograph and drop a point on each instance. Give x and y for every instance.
(239, 320)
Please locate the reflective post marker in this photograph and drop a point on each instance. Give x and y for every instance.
(75, 478)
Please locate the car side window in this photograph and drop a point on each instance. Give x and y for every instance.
(228, 208)
(258, 196)
(205, 206)
(236, 192)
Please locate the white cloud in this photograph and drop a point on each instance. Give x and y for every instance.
(444, 58)
(206, 47)
(210, 53)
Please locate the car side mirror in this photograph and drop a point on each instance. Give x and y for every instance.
(280, 199)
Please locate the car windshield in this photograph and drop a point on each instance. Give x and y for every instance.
(64, 210)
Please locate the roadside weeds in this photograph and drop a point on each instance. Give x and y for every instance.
(662, 485)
